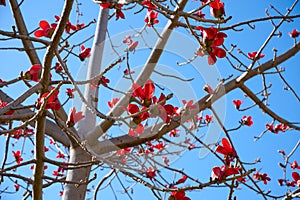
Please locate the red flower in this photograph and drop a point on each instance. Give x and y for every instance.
(133, 109)
(296, 178)
(221, 173)
(52, 103)
(74, 117)
(207, 88)
(212, 38)
(145, 94)
(85, 53)
(200, 14)
(150, 173)
(237, 103)
(68, 27)
(247, 121)
(208, 119)
(3, 104)
(295, 165)
(113, 102)
(148, 4)
(117, 7)
(151, 18)
(2, 2)
(281, 127)
(33, 73)
(262, 177)
(294, 33)
(46, 31)
(174, 132)
(60, 155)
(227, 150)
(127, 72)
(17, 187)
(46, 149)
(253, 55)
(217, 9)
(61, 193)
(124, 151)
(17, 156)
(138, 130)
(179, 195)
(166, 160)
(70, 93)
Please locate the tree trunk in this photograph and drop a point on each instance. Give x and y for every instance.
(77, 154)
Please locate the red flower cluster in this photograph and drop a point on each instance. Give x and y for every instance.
(17, 156)
(237, 103)
(217, 9)
(150, 173)
(252, 55)
(74, 117)
(52, 103)
(117, 7)
(294, 33)
(220, 173)
(46, 30)
(179, 195)
(247, 121)
(150, 18)
(33, 73)
(211, 40)
(295, 165)
(85, 53)
(131, 45)
(261, 177)
(22, 133)
(148, 4)
(278, 127)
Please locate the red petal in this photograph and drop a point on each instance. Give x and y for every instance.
(138, 91)
(212, 59)
(39, 33)
(132, 108)
(44, 24)
(149, 89)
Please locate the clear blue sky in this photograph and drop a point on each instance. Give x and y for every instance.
(248, 40)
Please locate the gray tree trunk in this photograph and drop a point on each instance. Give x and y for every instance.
(77, 154)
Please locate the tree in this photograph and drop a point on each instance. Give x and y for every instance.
(138, 108)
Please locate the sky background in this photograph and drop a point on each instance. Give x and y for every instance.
(195, 163)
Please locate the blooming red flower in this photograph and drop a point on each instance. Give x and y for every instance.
(220, 173)
(148, 4)
(46, 149)
(127, 72)
(262, 177)
(208, 119)
(33, 73)
(144, 94)
(2, 2)
(17, 156)
(200, 14)
(217, 9)
(56, 173)
(253, 55)
(69, 25)
(52, 103)
(247, 121)
(179, 195)
(296, 178)
(113, 102)
(150, 173)
(85, 53)
(131, 45)
(295, 165)
(237, 103)
(74, 117)
(281, 127)
(133, 109)
(212, 38)
(46, 29)
(150, 18)
(124, 151)
(3, 104)
(117, 7)
(227, 150)
(294, 33)
(70, 93)
(174, 132)
(138, 130)
(60, 155)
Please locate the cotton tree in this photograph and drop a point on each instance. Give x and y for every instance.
(173, 100)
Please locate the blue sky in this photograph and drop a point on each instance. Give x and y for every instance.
(247, 40)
